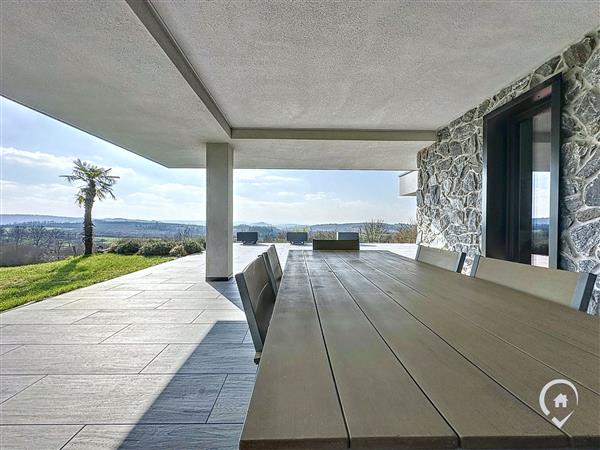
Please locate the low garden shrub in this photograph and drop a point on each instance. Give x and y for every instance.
(178, 251)
(192, 246)
(126, 247)
(156, 248)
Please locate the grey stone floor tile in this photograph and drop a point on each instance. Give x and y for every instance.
(48, 304)
(133, 286)
(157, 437)
(5, 348)
(188, 279)
(232, 403)
(114, 399)
(148, 279)
(57, 334)
(13, 384)
(142, 316)
(212, 287)
(248, 339)
(215, 315)
(33, 317)
(78, 293)
(204, 358)
(78, 359)
(179, 294)
(224, 333)
(195, 303)
(196, 284)
(36, 437)
(114, 303)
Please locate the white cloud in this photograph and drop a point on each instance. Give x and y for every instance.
(52, 198)
(177, 188)
(315, 196)
(259, 177)
(59, 163)
(319, 208)
(39, 159)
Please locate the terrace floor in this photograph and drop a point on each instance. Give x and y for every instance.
(155, 359)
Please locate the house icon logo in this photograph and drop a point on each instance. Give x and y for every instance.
(567, 394)
(560, 401)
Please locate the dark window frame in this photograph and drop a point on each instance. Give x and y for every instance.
(502, 184)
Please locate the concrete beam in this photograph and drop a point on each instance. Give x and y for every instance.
(319, 134)
(147, 14)
(219, 211)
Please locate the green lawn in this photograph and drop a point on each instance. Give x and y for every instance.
(34, 282)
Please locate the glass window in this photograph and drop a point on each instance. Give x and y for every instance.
(540, 189)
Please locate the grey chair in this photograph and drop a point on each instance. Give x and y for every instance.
(258, 299)
(347, 235)
(571, 289)
(330, 244)
(273, 267)
(444, 259)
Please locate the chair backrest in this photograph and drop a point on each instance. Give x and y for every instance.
(258, 299)
(347, 235)
(567, 288)
(444, 259)
(273, 267)
(297, 237)
(329, 244)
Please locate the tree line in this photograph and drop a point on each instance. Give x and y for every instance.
(26, 244)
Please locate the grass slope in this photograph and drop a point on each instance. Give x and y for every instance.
(34, 282)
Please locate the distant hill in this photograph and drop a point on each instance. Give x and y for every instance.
(7, 219)
(118, 227)
(354, 226)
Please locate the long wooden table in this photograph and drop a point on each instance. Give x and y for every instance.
(373, 350)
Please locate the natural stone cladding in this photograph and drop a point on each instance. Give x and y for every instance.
(449, 193)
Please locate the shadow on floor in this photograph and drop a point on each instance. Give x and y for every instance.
(204, 404)
(229, 290)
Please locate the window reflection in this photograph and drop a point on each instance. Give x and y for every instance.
(540, 189)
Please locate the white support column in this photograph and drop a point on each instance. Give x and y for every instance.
(219, 211)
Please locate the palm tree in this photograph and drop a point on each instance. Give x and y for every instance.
(98, 184)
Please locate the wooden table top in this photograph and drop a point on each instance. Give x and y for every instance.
(373, 350)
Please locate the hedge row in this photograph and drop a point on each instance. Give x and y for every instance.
(158, 247)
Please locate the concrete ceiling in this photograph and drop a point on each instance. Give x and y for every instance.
(93, 65)
(369, 65)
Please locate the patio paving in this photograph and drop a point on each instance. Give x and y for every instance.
(155, 359)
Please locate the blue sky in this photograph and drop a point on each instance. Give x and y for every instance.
(37, 149)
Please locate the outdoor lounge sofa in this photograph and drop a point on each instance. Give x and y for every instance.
(247, 237)
(297, 237)
(347, 236)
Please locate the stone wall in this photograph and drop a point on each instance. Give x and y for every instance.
(449, 193)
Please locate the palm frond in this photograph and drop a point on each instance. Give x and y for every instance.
(97, 181)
